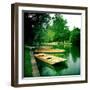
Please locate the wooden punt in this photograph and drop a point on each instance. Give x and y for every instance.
(50, 59)
(46, 50)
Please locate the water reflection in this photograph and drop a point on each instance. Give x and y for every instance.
(70, 67)
(75, 53)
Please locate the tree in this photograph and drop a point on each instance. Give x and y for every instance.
(60, 28)
(75, 37)
(37, 28)
(35, 25)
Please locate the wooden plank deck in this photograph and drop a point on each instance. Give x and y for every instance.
(50, 59)
(35, 70)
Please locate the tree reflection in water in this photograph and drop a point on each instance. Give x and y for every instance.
(70, 67)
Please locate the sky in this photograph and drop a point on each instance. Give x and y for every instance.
(73, 20)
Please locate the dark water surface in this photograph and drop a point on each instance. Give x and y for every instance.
(70, 67)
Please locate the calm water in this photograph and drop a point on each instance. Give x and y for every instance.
(70, 67)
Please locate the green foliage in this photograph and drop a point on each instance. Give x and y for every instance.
(44, 28)
(60, 28)
(75, 37)
(35, 25)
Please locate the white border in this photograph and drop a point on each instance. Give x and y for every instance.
(50, 79)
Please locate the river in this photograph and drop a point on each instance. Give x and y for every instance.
(70, 67)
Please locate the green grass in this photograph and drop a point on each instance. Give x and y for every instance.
(27, 63)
